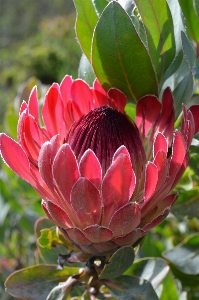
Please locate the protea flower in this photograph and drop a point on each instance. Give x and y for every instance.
(105, 180)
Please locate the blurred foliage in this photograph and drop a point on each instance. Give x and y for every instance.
(45, 46)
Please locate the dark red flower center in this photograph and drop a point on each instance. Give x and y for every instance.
(104, 130)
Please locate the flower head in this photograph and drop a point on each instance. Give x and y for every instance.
(105, 180)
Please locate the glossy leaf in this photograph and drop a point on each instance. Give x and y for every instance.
(196, 6)
(192, 19)
(85, 70)
(169, 289)
(131, 288)
(130, 8)
(36, 282)
(49, 238)
(181, 82)
(187, 204)
(119, 262)
(158, 22)
(99, 6)
(85, 24)
(151, 269)
(119, 58)
(186, 255)
(178, 23)
(49, 249)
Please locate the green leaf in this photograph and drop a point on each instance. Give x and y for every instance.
(85, 24)
(36, 282)
(184, 260)
(158, 22)
(191, 17)
(85, 71)
(178, 23)
(187, 204)
(151, 269)
(119, 262)
(119, 58)
(131, 288)
(50, 253)
(99, 6)
(62, 290)
(196, 6)
(181, 82)
(169, 289)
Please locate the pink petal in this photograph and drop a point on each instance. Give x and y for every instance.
(100, 94)
(45, 165)
(160, 144)
(157, 220)
(65, 170)
(195, 112)
(158, 209)
(59, 215)
(178, 153)
(98, 234)
(180, 171)
(167, 116)
(151, 178)
(130, 238)
(31, 138)
(118, 99)
(82, 95)
(15, 157)
(53, 112)
(161, 163)
(90, 167)
(118, 186)
(125, 220)
(65, 89)
(77, 236)
(106, 246)
(121, 150)
(86, 201)
(90, 249)
(147, 111)
(23, 107)
(33, 105)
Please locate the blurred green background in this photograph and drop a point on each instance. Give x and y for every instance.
(37, 46)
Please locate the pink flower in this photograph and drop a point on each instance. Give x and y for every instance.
(105, 180)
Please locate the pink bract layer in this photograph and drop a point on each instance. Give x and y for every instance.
(105, 180)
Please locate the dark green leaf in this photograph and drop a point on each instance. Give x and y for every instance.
(119, 58)
(187, 204)
(191, 17)
(85, 24)
(48, 252)
(186, 255)
(188, 50)
(181, 82)
(158, 22)
(196, 6)
(99, 6)
(151, 269)
(169, 288)
(131, 10)
(131, 288)
(36, 282)
(85, 71)
(119, 262)
(178, 23)
(62, 290)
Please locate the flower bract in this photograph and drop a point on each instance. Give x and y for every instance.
(105, 179)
